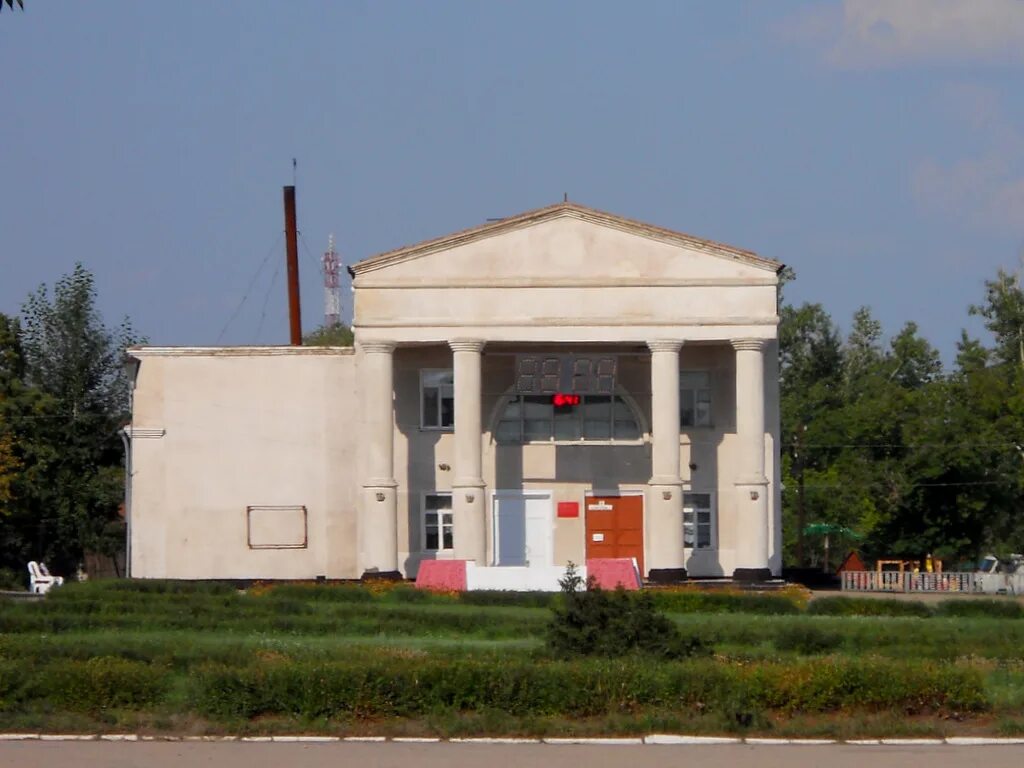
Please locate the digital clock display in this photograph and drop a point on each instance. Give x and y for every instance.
(565, 375)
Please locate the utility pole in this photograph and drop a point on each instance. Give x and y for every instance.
(292, 250)
(801, 510)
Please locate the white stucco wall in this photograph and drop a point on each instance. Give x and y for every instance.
(219, 430)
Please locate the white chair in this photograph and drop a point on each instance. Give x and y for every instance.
(40, 579)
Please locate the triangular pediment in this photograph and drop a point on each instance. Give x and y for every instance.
(563, 243)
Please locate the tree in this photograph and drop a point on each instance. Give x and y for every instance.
(339, 335)
(1003, 313)
(72, 399)
(810, 365)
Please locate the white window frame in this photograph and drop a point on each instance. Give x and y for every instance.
(709, 419)
(440, 523)
(439, 427)
(712, 520)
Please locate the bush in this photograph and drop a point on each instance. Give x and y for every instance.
(740, 694)
(97, 684)
(806, 638)
(320, 593)
(867, 606)
(595, 622)
(981, 609)
(496, 598)
(13, 580)
(703, 601)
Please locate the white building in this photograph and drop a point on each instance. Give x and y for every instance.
(556, 386)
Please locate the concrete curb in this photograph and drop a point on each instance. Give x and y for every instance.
(655, 739)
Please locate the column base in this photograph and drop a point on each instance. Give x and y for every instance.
(667, 575)
(751, 575)
(663, 527)
(378, 528)
(469, 512)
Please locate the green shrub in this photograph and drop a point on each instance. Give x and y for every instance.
(500, 598)
(595, 622)
(13, 580)
(12, 679)
(97, 684)
(739, 694)
(706, 601)
(103, 589)
(981, 609)
(867, 606)
(806, 638)
(322, 593)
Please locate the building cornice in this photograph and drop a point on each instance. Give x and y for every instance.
(247, 351)
(533, 322)
(581, 281)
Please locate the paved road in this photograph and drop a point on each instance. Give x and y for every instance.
(391, 755)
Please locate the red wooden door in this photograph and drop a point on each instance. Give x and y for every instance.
(615, 527)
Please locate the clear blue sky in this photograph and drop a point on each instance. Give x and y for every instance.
(877, 146)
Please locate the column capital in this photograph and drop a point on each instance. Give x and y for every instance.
(377, 347)
(749, 345)
(665, 345)
(466, 345)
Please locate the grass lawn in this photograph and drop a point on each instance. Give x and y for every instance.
(342, 659)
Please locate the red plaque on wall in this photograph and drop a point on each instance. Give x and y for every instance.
(568, 509)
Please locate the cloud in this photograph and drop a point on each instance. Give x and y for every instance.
(867, 34)
(985, 191)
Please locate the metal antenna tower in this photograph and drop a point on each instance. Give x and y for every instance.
(332, 296)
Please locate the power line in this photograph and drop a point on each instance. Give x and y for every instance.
(266, 300)
(252, 283)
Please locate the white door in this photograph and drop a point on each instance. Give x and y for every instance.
(522, 529)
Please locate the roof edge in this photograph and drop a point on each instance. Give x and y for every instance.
(141, 352)
(559, 210)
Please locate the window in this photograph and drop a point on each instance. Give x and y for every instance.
(437, 399)
(698, 516)
(534, 418)
(438, 528)
(694, 399)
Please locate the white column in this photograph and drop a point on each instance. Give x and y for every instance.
(663, 526)
(469, 506)
(751, 484)
(378, 519)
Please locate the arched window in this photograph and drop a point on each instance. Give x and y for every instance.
(536, 419)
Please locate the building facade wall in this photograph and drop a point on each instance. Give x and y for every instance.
(217, 432)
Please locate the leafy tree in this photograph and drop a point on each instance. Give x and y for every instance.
(1003, 313)
(67, 396)
(810, 366)
(339, 335)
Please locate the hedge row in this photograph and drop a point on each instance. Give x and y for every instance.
(586, 688)
(183, 605)
(415, 687)
(83, 686)
(287, 616)
(868, 606)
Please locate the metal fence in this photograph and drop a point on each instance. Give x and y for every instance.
(894, 581)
